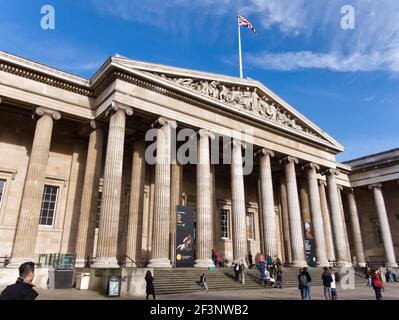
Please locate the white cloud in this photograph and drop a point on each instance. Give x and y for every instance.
(373, 45)
(334, 61)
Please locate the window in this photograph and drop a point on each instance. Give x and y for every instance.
(224, 223)
(49, 202)
(2, 188)
(250, 226)
(100, 195)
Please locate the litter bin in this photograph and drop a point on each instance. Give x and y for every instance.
(82, 281)
(113, 287)
(63, 278)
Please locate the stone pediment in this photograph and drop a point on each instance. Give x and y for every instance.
(247, 98)
(245, 95)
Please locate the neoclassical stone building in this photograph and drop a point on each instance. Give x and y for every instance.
(74, 178)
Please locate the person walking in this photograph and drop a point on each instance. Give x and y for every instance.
(377, 284)
(250, 260)
(327, 280)
(279, 283)
(150, 289)
(237, 271)
(269, 261)
(242, 271)
(336, 278)
(304, 280)
(23, 288)
(203, 283)
(261, 266)
(277, 263)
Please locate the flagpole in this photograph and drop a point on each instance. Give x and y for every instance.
(239, 45)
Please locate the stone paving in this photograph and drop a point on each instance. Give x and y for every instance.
(359, 293)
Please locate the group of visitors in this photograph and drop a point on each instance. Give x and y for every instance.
(304, 280)
(271, 273)
(330, 278)
(239, 271)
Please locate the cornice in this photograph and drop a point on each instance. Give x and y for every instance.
(46, 79)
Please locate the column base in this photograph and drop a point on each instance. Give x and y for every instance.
(105, 263)
(344, 264)
(203, 263)
(299, 264)
(159, 263)
(16, 262)
(391, 265)
(322, 264)
(80, 263)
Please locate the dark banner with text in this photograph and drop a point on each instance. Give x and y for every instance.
(185, 242)
(310, 246)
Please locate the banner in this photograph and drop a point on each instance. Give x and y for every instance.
(310, 245)
(185, 242)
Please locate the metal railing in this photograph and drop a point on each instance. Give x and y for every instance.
(131, 262)
(57, 260)
(5, 261)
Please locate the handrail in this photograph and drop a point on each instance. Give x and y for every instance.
(6, 260)
(140, 265)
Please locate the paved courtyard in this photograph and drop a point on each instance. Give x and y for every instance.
(359, 293)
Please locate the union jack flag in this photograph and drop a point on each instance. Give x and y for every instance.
(244, 22)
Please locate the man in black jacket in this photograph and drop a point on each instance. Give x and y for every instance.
(23, 288)
(327, 280)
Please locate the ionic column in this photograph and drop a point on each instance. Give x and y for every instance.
(29, 213)
(296, 233)
(160, 233)
(88, 208)
(348, 251)
(384, 225)
(317, 216)
(204, 202)
(106, 256)
(175, 199)
(267, 203)
(336, 216)
(327, 221)
(356, 231)
(135, 219)
(238, 203)
(285, 220)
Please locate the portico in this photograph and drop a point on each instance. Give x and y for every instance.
(108, 203)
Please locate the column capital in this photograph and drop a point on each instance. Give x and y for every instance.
(161, 121)
(340, 187)
(204, 132)
(264, 152)
(311, 166)
(375, 185)
(116, 106)
(330, 171)
(40, 111)
(94, 124)
(236, 142)
(289, 159)
(322, 183)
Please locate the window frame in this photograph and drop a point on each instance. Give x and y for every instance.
(252, 215)
(226, 224)
(55, 206)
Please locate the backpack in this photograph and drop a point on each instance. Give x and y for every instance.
(303, 280)
(337, 277)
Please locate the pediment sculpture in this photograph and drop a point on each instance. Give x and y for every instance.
(248, 98)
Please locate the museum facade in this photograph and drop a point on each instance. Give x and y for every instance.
(74, 175)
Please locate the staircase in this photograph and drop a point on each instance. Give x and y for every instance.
(183, 280)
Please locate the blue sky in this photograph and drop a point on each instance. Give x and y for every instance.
(346, 81)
